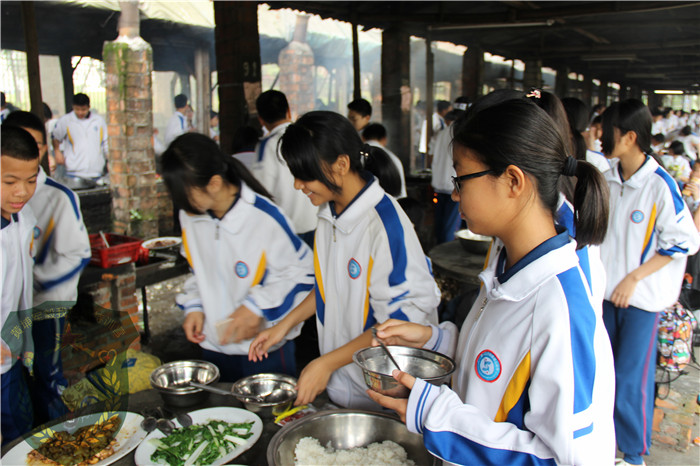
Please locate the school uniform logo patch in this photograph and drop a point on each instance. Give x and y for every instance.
(487, 366)
(354, 269)
(637, 216)
(37, 232)
(241, 269)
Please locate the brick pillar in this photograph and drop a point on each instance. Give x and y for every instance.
(603, 93)
(473, 73)
(532, 77)
(296, 63)
(238, 66)
(587, 92)
(561, 82)
(396, 92)
(128, 66)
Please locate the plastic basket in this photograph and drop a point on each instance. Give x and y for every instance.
(122, 250)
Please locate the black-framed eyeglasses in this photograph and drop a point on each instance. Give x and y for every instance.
(457, 180)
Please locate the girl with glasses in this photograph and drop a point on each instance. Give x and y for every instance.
(369, 264)
(534, 380)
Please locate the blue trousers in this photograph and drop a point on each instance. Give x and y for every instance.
(49, 381)
(446, 218)
(17, 415)
(633, 334)
(236, 366)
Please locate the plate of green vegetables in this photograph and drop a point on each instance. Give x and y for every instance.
(216, 436)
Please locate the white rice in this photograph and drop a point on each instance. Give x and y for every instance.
(310, 452)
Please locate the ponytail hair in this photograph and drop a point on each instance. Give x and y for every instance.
(316, 140)
(192, 160)
(517, 132)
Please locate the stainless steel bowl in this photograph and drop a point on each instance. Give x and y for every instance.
(471, 242)
(376, 367)
(277, 391)
(172, 381)
(344, 429)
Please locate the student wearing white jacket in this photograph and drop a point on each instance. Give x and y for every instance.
(369, 265)
(534, 381)
(250, 268)
(650, 234)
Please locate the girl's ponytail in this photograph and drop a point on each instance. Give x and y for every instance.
(379, 163)
(591, 204)
(236, 172)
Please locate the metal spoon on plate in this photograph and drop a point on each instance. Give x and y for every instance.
(386, 350)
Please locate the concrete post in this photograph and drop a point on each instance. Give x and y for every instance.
(396, 92)
(473, 73)
(532, 77)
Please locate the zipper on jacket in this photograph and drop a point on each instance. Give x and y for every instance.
(216, 234)
(334, 232)
(484, 302)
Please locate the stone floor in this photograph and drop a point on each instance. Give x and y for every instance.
(168, 342)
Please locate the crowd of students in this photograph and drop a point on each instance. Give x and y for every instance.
(555, 361)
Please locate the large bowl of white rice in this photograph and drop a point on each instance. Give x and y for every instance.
(343, 432)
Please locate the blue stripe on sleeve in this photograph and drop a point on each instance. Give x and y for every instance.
(275, 313)
(399, 315)
(647, 248)
(461, 450)
(584, 262)
(398, 298)
(420, 406)
(439, 339)
(71, 195)
(673, 187)
(397, 244)
(320, 305)
(672, 250)
(582, 327)
(273, 211)
(52, 283)
(516, 415)
(584, 431)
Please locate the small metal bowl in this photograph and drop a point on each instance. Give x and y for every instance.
(376, 367)
(344, 429)
(172, 381)
(471, 242)
(278, 392)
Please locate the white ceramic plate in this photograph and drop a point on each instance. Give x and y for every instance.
(129, 436)
(202, 416)
(172, 241)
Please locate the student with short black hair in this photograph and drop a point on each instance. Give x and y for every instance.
(650, 234)
(691, 142)
(19, 169)
(369, 264)
(534, 376)
(271, 169)
(359, 114)
(177, 124)
(375, 135)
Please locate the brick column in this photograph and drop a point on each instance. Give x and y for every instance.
(296, 63)
(396, 92)
(532, 77)
(473, 73)
(128, 65)
(561, 82)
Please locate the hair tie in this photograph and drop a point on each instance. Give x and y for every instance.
(364, 151)
(569, 166)
(459, 106)
(534, 92)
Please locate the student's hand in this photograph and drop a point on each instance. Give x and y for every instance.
(623, 291)
(312, 381)
(264, 341)
(400, 332)
(694, 190)
(400, 405)
(194, 321)
(243, 324)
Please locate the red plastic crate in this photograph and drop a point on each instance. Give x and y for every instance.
(122, 250)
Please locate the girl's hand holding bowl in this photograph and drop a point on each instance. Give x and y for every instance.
(400, 405)
(402, 333)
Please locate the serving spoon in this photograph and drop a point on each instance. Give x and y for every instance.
(386, 350)
(256, 398)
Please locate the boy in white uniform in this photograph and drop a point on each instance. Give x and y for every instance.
(19, 167)
(84, 136)
(177, 124)
(272, 171)
(375, 135)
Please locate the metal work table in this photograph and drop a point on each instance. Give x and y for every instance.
(452, 261)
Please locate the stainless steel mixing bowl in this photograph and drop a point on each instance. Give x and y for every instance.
(376, 367)
(276, 393)
(344, 429)
(172, 381)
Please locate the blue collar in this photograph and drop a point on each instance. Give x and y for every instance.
(555, 242)
(6, 223)
(211, 213)
(619, 169)
(369, 178)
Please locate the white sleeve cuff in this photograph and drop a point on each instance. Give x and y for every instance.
(443, 340)
(250, 304)
(421, 398)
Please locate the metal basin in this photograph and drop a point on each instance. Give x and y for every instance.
(376, 367)
(471, 242)
(344, 429)
(172, 381)
(277, 393)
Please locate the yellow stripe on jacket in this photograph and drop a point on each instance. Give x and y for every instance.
(366, 306)
(515, 389)
(186, 247)
(319, 279)
(260, 272)
(650, 229)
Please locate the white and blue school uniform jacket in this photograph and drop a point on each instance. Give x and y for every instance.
(535, 382)
(598, 160)
(369, 267)
(61, 244)
(16, 301)
(84, 143)
(442, 168)
(177, 125)
(647, 216)
(589, 256)
(250, 257)
(397, 163)
(273, 173)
